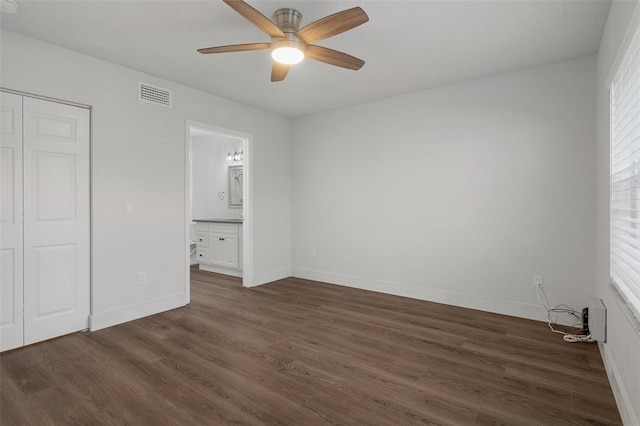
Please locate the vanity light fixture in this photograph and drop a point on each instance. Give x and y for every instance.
(236, 156)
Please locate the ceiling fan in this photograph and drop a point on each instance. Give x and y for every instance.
(290, 44)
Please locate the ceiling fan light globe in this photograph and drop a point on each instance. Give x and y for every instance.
(287, 55)
(287, 51)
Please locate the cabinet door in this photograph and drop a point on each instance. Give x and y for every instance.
(230, 259)
(11, 282)
(223, 250)
(216, 249)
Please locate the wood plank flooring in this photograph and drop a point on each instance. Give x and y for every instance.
(297, 352)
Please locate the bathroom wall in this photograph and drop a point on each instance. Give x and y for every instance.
(210, 185)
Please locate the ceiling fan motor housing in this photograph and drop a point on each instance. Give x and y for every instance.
(288, 20)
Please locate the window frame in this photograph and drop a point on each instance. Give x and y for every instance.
(627, 70)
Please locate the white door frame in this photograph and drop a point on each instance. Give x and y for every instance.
(11, 232)
(247, 208)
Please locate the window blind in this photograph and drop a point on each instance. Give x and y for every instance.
(625, 176)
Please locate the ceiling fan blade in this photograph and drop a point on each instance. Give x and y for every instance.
(279, 71)
(235, 48)
(333, 24)
(333, 57)
(255, 17)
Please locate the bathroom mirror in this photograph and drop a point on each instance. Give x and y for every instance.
(236, 177)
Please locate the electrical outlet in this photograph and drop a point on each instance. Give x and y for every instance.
(537, 281)
(313, 253)
(142, 277)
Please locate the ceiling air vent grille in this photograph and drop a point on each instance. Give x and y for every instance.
(153, 94)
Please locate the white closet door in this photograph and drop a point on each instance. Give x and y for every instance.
(11, 282)
(56, 219)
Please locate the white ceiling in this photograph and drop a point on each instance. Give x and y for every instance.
(407, 45)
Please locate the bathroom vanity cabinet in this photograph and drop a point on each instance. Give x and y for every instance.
(219, 246)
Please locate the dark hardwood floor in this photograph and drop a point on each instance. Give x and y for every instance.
(296, 352)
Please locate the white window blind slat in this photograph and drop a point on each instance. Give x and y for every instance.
(633, 242)
(628, 100)
(632, 182)
(630, 274)
(625, 276)
(626, 126)
(621, 210)
(617, 220)
(621, 175)
(627, 145)
(632, 299)
(628, 92)
(620, 249)
(620, 195)
(629, 82)
(625, 177)
(626, 230)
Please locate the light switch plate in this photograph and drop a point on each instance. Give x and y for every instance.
(128, 207)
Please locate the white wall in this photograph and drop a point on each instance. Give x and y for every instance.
(138, 155)
(457, 195)
(210, 175)
(622, 350)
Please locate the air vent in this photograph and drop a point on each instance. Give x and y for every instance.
(153, 94)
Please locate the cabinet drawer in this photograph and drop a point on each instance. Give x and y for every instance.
(201, 254)
(202, 239)
(223, 228)
(202, 226)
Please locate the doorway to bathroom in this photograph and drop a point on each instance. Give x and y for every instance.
(218, 202)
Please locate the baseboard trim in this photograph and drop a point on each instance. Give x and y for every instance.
(271, 276)
(224, 271)
(482, 303)
(140, 310)
(623, 401)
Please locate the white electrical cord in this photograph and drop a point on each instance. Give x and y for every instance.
(563, 309)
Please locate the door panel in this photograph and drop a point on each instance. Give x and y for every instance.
(56, 231)
(54, 127)
(8, 172)
(11, 275)
(54, 186)
(8, 281)
(56, 283)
